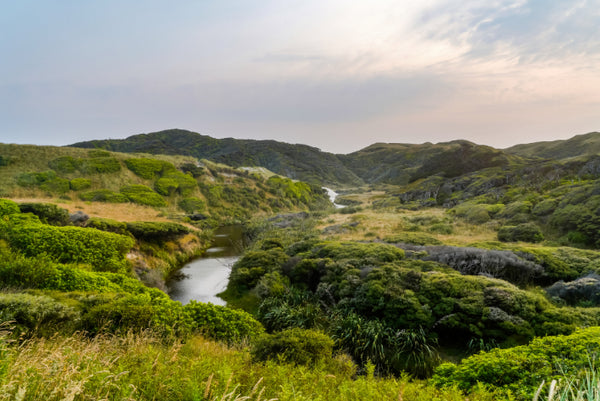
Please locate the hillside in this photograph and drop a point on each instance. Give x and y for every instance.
(300, 162)
(586, 144)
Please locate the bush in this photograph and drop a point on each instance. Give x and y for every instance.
(109, 225)
(48, 181)
(154, 231)
(65, 164)
(527, 232)
(100, 165)
(175, 182)
(143, 195)
(103, 195)
(148, 168)
(34, 313)
(191, 205)
(522, 369)
(412, 238)
(297, 346)
(104, 251)
(47, 213)
(8, 207)
(221, 323)
(78, 184)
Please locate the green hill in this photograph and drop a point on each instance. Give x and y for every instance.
(586, 144)
(300, 162)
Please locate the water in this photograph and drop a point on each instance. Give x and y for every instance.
(203, 278)
(332, 195)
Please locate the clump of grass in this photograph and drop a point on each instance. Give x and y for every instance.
(584, 388)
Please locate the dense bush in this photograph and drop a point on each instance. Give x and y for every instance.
(522, 369)
(412, 238)
(47, 181)
(65, 164)
(103, 251)
(297, 346)
(175, 182)
(103, 195)
(353, 250)
(143, 195)
(79, 184)
(221, 323)
(191, 205)
(155, 231)
(47, 213)
(527, 232)
(249, 269)
(35, 313)
(100, 165)
(148, 168)
(109, 225)
(8, 207)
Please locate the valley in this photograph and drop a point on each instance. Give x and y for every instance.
(453, 271)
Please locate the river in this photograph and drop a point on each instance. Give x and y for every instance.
(203, 278)
(332, 195)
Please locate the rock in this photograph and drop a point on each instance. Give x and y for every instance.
(78, 218)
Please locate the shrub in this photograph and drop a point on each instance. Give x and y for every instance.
(119, 313)
(191, 205)
(148, 168)
(156, 231)
(143, 195)
(4, 161)
(527, 232)
(104, 251)
(354, 250)
(544, 207)
(175, 182)
(78, 184)
(35, 312)
(64, 164)
(109, 225)
(249, 269)
(412, 238)
(221, 323)
(100, 165)
(8, 207)
(48, 181)
(521, 369)
(103, 195)
(47, 213)
(297, 346)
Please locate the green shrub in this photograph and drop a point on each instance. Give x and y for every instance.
(100, 165)
(156, 231)
(251, 267)
(148, 168)
(4, 161)
(515, 208)
(221, 323)
(8, 207)
(78, 184)
(35, 313)
(355, 250)
(191, 205)
(297, 346)
(65, 164)
(545, 207)
(527, 232)
(104, 251)
(143, 195)
(109, 225)
(103, 195)
(47, 213)
(175, 182)
(48, 181)
(120, 314)
(522, 369)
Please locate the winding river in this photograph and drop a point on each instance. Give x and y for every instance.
(203, 278)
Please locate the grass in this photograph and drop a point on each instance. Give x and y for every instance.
(141, 367)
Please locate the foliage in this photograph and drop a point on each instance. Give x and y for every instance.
(521, 369)
(297, 346)
(221, 323)
(412, 238)
(47, 181)
(79, 184)
(528, 232)
(8, 207)
(191, 205)
(109, 225)
(175, 182)
(103, 251)
(148, 168)
(143, 195)
(103, 195)
(154, 231)
(47, 213)
(100, 165)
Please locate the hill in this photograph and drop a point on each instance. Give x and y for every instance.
(586, 144)
(300, 162)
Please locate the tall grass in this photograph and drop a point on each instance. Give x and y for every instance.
(586, 387)
(141, 367)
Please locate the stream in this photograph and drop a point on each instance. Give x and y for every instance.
(203, 278)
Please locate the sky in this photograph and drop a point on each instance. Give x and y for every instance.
(335, 74)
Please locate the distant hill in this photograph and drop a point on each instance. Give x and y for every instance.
(300, 162)
(378, 163)
(395, 163)
(586, 144)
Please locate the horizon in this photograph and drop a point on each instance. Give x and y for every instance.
(331, 74)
